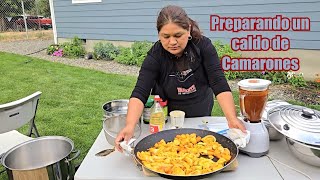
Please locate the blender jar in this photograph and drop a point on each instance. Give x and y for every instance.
(253, 97)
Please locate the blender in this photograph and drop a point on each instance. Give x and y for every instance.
(253, 95)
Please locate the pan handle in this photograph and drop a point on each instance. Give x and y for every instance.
(127, 147)
(128, 151)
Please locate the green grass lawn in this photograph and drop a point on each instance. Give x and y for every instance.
(71, 100)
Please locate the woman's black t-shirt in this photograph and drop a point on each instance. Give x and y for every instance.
(187, 82)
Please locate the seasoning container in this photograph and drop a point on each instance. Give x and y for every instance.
(147, 110)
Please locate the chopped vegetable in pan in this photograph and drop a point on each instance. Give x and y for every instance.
(187, 154)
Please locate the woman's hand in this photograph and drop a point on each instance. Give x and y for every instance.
(236, 123)
(225, 100)
(135, 108)
(124, 135)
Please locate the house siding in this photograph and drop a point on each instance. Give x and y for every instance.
(135, 20)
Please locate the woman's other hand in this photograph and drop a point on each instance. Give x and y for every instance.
(236, 123)
(124, 135)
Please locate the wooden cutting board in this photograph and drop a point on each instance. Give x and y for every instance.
(233, 166)
(36, 174)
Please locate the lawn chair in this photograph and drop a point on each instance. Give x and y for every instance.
(14, 115)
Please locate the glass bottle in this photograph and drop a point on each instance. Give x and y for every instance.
(147, 110)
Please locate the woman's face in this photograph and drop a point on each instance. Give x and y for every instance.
(174, 38)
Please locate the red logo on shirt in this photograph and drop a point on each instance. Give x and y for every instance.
(190, 90)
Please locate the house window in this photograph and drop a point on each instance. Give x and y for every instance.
(85, 1)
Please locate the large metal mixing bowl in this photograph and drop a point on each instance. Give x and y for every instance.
(274, 135)
(307, 153)
(113, 125)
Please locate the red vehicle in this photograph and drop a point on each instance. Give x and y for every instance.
(33, 22)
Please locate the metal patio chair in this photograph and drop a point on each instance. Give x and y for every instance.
(14, 115)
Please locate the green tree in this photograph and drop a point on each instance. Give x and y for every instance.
(40, 8)
(9, 8)
(43, 7)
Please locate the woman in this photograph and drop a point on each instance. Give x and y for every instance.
(182, 67)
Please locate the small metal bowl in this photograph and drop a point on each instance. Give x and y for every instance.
(113, 125)
(307, 153)
(115, 107)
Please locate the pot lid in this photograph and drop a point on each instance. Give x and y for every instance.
(297, 122)
(272, 104)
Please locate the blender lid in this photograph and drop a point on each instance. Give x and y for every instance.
(297, 122)
(254, 84)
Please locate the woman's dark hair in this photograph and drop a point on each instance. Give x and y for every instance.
(177, 15)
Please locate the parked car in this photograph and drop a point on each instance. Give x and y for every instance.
(33, 22)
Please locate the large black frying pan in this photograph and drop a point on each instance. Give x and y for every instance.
(169, 135)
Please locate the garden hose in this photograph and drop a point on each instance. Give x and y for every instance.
(36, 52)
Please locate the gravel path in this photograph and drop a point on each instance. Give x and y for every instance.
(31, 46)
(28, 47)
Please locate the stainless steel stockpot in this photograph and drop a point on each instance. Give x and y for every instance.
(49, 153)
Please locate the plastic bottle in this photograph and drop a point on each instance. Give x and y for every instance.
(157, 120)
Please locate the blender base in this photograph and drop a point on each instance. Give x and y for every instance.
(259, 140)
(254, 155)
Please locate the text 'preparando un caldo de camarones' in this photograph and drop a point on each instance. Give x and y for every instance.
(258, 42)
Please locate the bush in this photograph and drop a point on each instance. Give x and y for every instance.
(140, 50)
(134, 55)
(71, 49)
(296, 80)
(125, 56)
(106, 51)
(74, 48)
(278, 77)
(52, 48)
